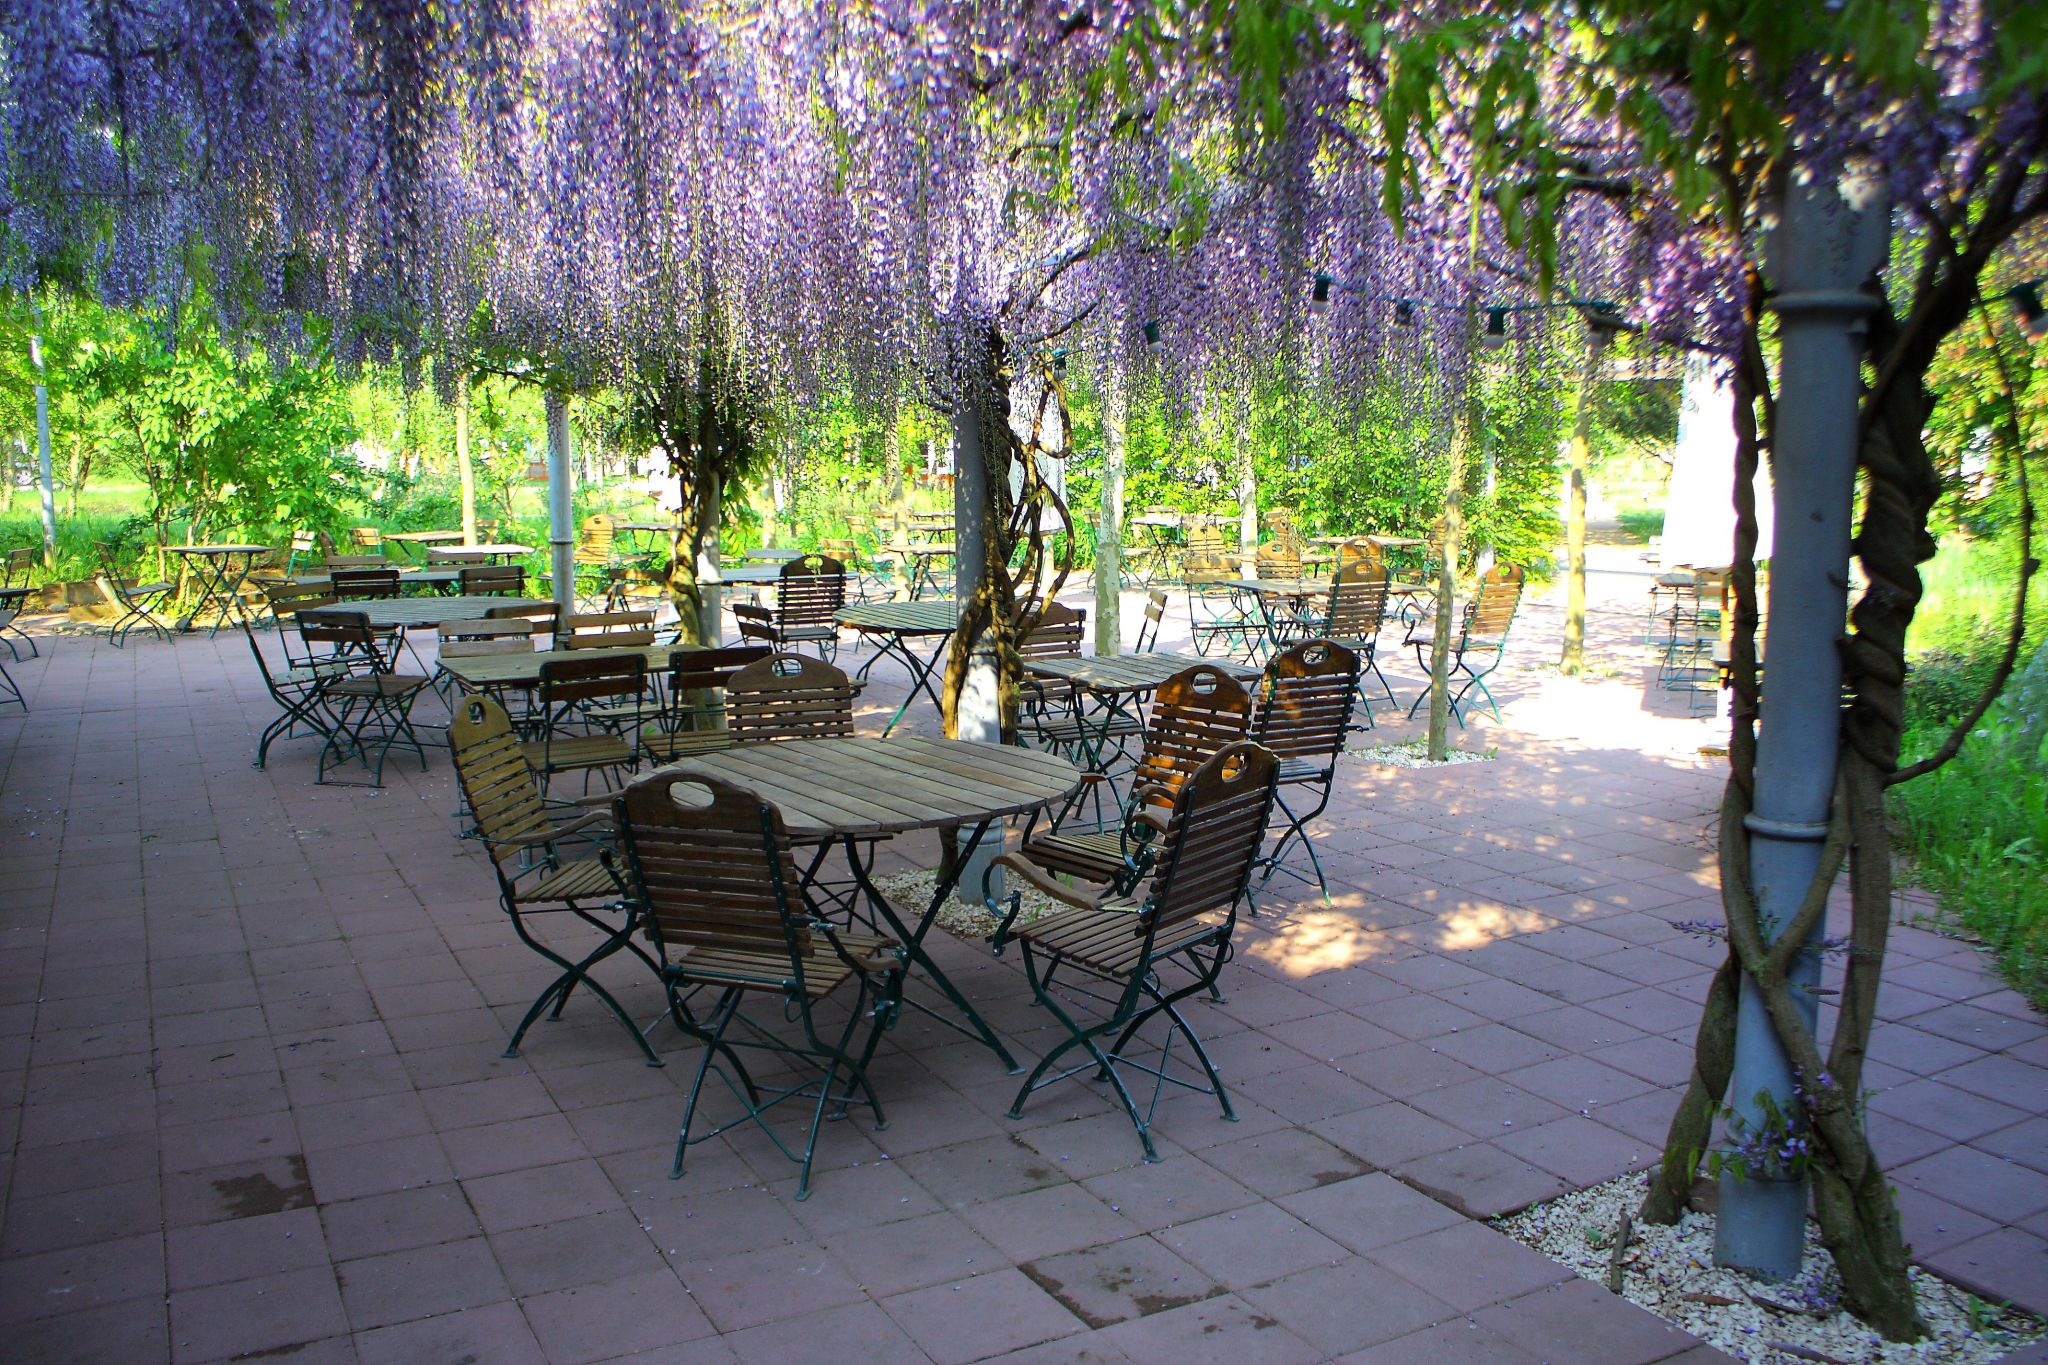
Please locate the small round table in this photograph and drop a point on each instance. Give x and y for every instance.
(841, 791)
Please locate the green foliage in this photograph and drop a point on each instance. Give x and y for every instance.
(1976, 830)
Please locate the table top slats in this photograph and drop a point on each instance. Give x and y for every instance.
(931, 616)
(831, 788)
(1137, 672)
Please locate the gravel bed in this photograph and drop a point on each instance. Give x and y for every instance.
(1671, 1272)
(1414, 753)
(913, 890)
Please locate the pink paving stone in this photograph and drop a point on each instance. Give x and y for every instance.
(979, 1317)
(1469, 1265)
(2006, 1264)
(1224, 1330)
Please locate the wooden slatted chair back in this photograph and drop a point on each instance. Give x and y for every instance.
(1364, 552)
(287, 600)
(711, 862)
(711, 669)
(497, 782)
(1492, 611)
(1281, 530)
(1358, 601)
(334, 561)
(594, 542)
(1056, 635)
(437, 555)
(351, 585)
(608, 630)
(1207, 557)
(756, 623)
(366, 538)
(335, 632)
(1274, 561)
(810, 592)
(493, 580)
(788, 696)
(303, 543)
(546, 618)
(476, 639)
(1196, 713)
(601, 678)
(1305, 701)
(1213, 837)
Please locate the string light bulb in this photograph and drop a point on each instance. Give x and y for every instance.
(1152, 339)
(1404, 312)
(1319, 295)
(1496, 334)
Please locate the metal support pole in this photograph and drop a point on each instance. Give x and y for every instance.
(561, 504)
(45, 482)
(1830, 237)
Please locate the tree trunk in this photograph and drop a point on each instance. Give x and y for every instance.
(1109, 532)
(1577, 456)
(465, 467)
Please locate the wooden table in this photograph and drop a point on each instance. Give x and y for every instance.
(220, 580)
(1265, 594)
(753, 575)
(921, 572)
(841, 791)
(892, 626)
(408, 539)
(410, 613)
(496, 550)
(497, 672)
(770, 554)
(440, 580)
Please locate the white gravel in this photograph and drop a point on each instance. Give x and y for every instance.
(1414, 753)
(1670, 1271)
(910, 892)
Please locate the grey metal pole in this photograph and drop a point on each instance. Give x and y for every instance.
(1109, 533)
(46, 482)
(1831, 236)
(561, 504)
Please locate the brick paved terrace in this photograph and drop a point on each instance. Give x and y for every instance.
(252, 1102)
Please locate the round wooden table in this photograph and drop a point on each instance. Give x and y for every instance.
(841, 791)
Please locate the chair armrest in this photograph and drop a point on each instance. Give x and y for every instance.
(1038, 881)
(548, 836)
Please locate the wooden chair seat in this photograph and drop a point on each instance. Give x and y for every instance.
(578, 751)
(1095, 857)
(824, 970)
(584, 879)
(1108, 941)
(374, 685)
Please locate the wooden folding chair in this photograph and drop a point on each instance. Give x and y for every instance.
(787, 696)
(808, 596)
(369, 703)
(1303, 716)
(1140, 959)
(607, 630)
(1358, 607)
(140, 603)
(14, 590)
(536, 874)
(296, 689)
(693, 715)
(1195, 714)
(711, 866)
(1481, 638)
(546, 619)
(1155, 615)
(1216, 619)
(492, 580)
(570, 741)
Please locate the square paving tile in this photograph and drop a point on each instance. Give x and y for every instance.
(1224, 1330)
(1469, 1265)
(971, 1319)
(1348, 1306)
(1253, 1246)
(1116, 1281)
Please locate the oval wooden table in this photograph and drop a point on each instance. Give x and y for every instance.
(841, 791)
